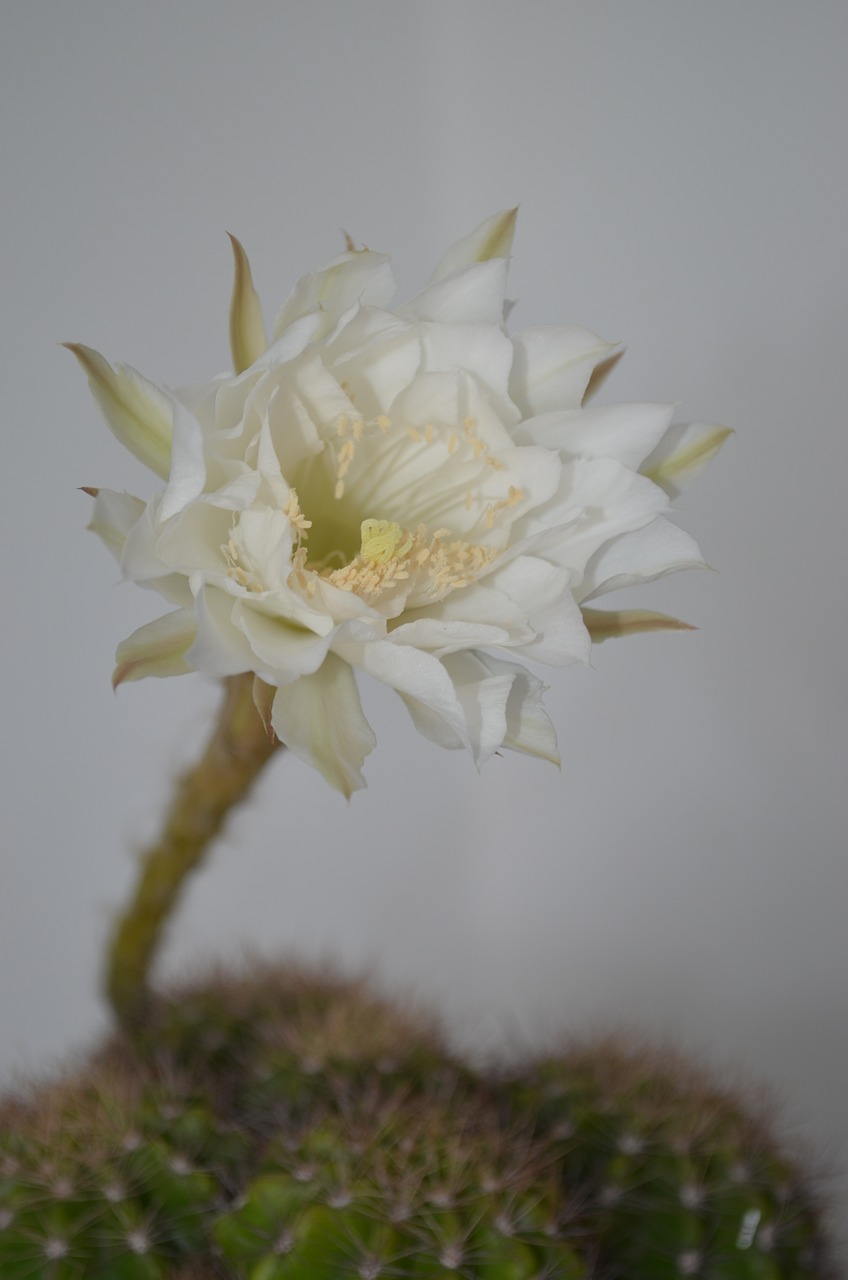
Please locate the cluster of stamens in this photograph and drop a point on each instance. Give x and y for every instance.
(430, 564)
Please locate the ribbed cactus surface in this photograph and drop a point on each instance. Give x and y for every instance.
(291, 1128)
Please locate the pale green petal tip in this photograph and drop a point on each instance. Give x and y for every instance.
(248, 339)
(491, 239)
(606, 624)
(496, 235)
(138, 413)
(600, 373)
(675, 468)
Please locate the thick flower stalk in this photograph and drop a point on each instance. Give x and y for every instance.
(413, 495)
(410, 494)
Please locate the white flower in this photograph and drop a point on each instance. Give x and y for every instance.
(412, 494)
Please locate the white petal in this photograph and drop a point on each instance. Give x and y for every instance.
(353, 277)
(473, 294)
(552, 366)
(286, 650)
(483, 698)
(442, 635)
(541, 591)
(648, 553)
(480, 349)
(188, 469)
(492, 239)
(290, 344)
(683, 455)
(138, 412)
(598, 500)
(113, 516)
(220, 648)
(410, 671)
(320, 719)
(191, 542)
(158, 648)
(528, 725)
(376, 355)
(626, 432)
(431, 726)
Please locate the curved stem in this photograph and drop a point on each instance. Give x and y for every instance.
(234, 757)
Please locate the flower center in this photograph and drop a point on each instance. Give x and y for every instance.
(437, 474)
(428, 565)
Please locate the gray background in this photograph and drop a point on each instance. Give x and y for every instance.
(683, 189)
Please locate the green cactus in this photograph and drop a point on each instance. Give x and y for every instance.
(287, 1128)
(679, 1179)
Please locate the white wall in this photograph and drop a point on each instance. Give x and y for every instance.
(681, 173)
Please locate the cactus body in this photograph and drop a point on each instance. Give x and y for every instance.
(290, 1129)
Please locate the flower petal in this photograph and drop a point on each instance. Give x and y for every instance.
(320, 718)
(113, 516)
(598, 500)
(139, 413)
(431, 725)
(626, 432)
(410, 671)
(472, 295)
(263, 700)
(604, 624)
(553, 365)
(480, 349)
(158, 648)
(492, 239)
(187, 477)
(483, 697)
(642, 556)
(247, 328)
(683, 455)
(528, 725)
(358, 276)
(542, 592)
(220, 648)
(280, 646)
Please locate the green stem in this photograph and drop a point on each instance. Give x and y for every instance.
(235, 755)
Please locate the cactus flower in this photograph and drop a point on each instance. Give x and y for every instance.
(411, 493)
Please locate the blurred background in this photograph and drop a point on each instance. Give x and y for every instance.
(681, 176)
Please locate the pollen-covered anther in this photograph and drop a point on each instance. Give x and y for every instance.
(494, 509)
(295, 516)
(244, 577)
(390, 554)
